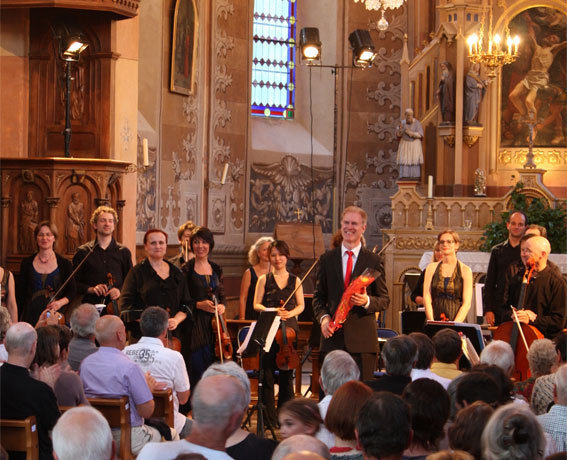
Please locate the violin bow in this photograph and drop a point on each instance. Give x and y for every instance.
(72, 273)
(300, 283)
(384, 247)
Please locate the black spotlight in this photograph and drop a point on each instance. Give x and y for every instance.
(362, 48)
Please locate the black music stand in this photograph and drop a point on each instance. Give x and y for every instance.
(256, 344)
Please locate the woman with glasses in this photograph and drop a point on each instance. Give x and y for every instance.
(447, 289)
(42, 274)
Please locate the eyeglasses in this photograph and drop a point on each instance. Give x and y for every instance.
(446, 242)
(47, 235)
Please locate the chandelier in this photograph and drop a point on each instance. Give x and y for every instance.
(381, 5)
(492, 54)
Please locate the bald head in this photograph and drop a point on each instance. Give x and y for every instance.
(537, 248)
(301, 444)
(303, 455)
(110, 332)
(21, 341)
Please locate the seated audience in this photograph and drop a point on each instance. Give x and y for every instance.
(82, 344)
(500, 354)
(399, 355)
(5, 323)
(448, 351)
(425, 353)
(108, 373)
(165, 365)
(513, 432)
(554, 423)
(217, 404)
(301, 443)
(542, 393)
(541, 359)
(429, 406)
(341, 419)
(299, 416)
(477, 386)
(68, 387)
(391, 436)
(452, 391)
(242, 445)
(450, 455)
(82, 432)
(20, 394)
(338, 368)
(465, 432)
(505, 384)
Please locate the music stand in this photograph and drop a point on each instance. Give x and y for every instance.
(259, 342)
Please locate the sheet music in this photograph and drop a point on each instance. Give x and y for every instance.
(269, 339)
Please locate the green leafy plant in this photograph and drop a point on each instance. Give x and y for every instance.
(537, 211)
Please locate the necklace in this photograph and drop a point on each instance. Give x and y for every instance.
(44, 261)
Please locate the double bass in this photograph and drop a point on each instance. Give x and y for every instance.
(513, 331)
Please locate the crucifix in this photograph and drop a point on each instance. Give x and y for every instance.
(298, 212)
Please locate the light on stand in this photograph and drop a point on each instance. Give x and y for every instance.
(362, 48)
(309, 44)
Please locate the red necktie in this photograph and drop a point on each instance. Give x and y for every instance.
(348, 268)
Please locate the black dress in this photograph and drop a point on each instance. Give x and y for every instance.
(250, 313)
(272, 297)
(446, 293)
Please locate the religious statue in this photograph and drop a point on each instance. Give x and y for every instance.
(479, 183)
(29, 212)
(410, 153)
(75, 225)
(446, 92)
(474, 92)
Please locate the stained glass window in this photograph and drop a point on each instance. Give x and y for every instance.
(273, 58)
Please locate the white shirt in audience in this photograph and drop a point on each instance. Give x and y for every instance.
(170, 450)
(323, 434)
(427, 374)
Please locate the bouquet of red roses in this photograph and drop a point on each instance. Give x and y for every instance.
(358, 286)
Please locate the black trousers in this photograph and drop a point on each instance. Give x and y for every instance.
(285, 382)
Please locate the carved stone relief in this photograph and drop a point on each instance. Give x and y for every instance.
(217, 213)
(146, 190)
(29, 218)
(75, 222)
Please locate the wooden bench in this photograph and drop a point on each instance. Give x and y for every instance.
(163, 400)
(20, 436)
(117, 413)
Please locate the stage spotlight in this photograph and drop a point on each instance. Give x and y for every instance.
(309, 44)
(72, 47)
(362, 48)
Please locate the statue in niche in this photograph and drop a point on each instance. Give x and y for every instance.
(410, 153)
(29, 213)
(75, 225)
(446, 92)
(479, 183)
(475, 88)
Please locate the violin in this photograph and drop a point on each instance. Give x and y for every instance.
(50, 295)
(287, 357)
(223, 343)
(511, 331)
(171, 342)
(112, 308)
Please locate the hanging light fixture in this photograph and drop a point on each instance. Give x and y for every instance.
(489, 51)
(362, 48)
(381, 5)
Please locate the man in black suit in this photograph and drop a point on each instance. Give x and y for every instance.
(337, 268)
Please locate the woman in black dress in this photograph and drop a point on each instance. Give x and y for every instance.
(273, 289)
(43, 274)
(259, 259)
(205, 282)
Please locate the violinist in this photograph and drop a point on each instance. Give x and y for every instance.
(259, 259)
(43, 274)
(184, 236)
(272, 290)
(205, 280)
(108, 256)
(546, 294)
(157, 282)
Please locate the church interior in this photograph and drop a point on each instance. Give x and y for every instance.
(174, 113)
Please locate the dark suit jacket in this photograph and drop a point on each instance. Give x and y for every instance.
(358, 334)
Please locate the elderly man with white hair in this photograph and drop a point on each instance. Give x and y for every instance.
(82, 432)
(338, 367)
(83, 320)
(546, 295)
(500, 354)
(555, 421)
(20, 394)
(301, 443)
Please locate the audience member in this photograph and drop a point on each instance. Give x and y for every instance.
(500, 354)
(299, 416)
(513, 432)
(391, 436)
(109, 373)
(341, 419)
(303, 455)
(165, 365)
(477, 386)
(452, 391)
(20, 394)
(242, 445)
(83, 321)
(82, 432)
(338, 368)
(68, 387)
(542, 394)
(5, 323)
(554, 423)
(399, 355)
(425, 353)
(541, 359)
(465, 432)
(450, 455)
(448, 351)
(429, 406)
(505, 384)
(217, 404)
(301, 443)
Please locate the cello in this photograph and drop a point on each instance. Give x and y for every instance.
(512, 331)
